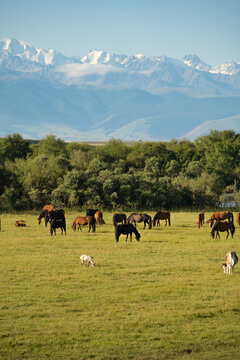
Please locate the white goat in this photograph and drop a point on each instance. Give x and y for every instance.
(87, 260)
(231, 260)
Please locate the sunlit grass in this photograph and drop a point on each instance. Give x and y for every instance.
(165, 297)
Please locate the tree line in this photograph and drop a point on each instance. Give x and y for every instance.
(117, 176)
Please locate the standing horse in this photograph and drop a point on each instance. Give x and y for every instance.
(119, 218)
(44, 213)
(223, 226)
(200, 219)
(162, 215)
(84, 220)
(137, 218)
(126, 229)
(99, 217)
(220, 215)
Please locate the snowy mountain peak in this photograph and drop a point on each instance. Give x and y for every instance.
(195, 62)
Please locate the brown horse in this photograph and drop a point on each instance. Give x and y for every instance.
(84, 220)
(119, 218)
(220, 215)
(20, 223)
(137, 218)
(99, 218)
(200, 219)
(238, 218)
(223, 226)
(44, 213)
(162, 215)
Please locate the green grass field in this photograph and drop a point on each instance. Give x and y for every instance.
(165, 297)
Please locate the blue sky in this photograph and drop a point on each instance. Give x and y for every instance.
(209, 29)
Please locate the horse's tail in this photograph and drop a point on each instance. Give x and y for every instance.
(150, 222)
(169, 221)
(233, 229)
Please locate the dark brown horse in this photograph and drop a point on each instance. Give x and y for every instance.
(162, 215)
(220, 215)
(84, 220)
(119, 218)
(223, 226)
(138, 218)
(200, 219)
(20, 223)
(44, 213)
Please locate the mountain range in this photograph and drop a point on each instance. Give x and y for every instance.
(102, 95)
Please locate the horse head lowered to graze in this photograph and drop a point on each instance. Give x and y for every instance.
(138, 218)
(223, 226)
(220, 215)
(44, 213)
(84, 220)
(126, 229)
(119, 218)
(162, 215)
(231, 259)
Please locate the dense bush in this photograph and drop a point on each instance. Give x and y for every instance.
(146, 175)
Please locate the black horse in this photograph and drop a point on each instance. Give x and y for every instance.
(137, 218)
(91, 212)
(119, 218)
(57, 220)
(223, 226)
(126, 229)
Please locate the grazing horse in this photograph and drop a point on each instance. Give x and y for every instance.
(84, 220)
(220, 215)
(119, 218)
(223, 226)
(44, 213)
(161, 215)
(126, 229)
(137, 218)
(99, 218)
(200, 219)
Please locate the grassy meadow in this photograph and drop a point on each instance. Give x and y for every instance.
(165, 297)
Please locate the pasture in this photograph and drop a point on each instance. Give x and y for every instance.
(165, 297)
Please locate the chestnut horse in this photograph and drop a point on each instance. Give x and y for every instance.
(223, 226)
(44, 213)
(220, 215)
(99, 217)
(238, 218)
(137, 218)
(162, 215)
(84, 220)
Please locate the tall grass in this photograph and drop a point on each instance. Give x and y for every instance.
(165, 297)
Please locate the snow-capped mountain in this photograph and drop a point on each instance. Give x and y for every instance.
(112, 95)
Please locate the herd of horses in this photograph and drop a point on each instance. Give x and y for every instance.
(219, 221)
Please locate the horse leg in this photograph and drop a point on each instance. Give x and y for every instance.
(131, 236)
(126, 237)
(227, 234)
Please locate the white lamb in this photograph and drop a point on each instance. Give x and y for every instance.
(87, 260)
(231, 260)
